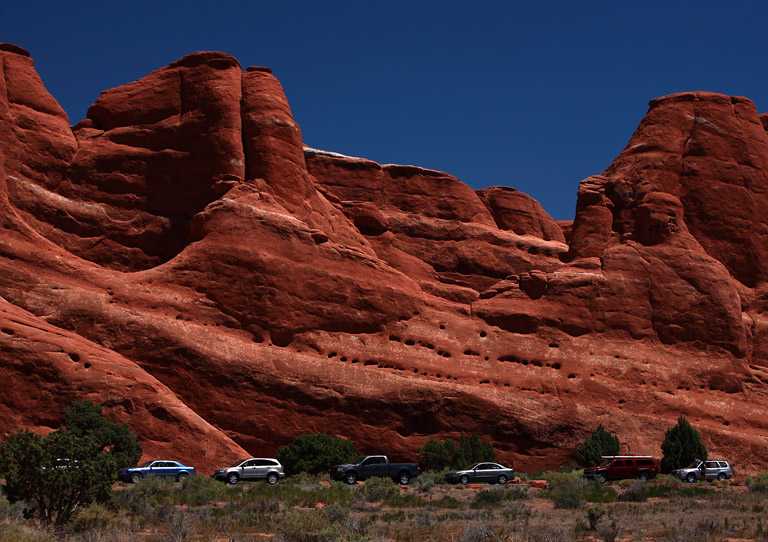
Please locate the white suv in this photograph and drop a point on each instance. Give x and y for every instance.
(705, 470)
(251, 469)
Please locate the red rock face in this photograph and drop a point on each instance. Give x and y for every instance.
(180, 257)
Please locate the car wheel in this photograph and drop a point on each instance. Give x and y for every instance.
(272, 478)
(502, 479)
(232, 478)
(691, 478)
(603, 478)
(351, 478)
(404, 478)
(182, 476)
(136, 477)
(464, 479)
(721, 476)
(643, 476)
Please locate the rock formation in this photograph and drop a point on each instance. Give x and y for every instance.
(181, 257)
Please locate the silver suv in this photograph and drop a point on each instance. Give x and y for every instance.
(251, 469)
(705, 470)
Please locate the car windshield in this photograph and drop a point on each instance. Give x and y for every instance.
(694, 465)
(237, 463)
(359, 460)
(606, 463)
(144, 465)
(472, 466)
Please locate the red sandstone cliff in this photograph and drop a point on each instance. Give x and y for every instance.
(182, 258)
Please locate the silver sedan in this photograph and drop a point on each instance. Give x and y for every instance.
(491, 473)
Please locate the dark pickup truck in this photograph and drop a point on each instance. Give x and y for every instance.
(371, 466)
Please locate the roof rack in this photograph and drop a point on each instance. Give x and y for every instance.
(625, 456)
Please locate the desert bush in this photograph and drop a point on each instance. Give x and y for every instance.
(700, 531)
(598, 444)
(427, 480)
(315, 453)
(594, 514)
(567, 487)
(492, 497)
(380, 489)
(495, 497)
(25, 532)
(152, 498)
(594, 491)
(446, 501)
(476, 532)
(200, 491)
(307, 526)
(568, 500)
(513, 510)
(10, 511)
(539, 534)
(94, 518)
(560, 481)
(759, 484)
(633, 494)
(682, 445)
(609, 531)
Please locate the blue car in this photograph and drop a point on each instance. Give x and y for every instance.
(166, 469)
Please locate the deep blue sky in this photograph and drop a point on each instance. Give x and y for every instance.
(534, 95)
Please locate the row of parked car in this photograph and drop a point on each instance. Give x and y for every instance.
(645, 467)
(371, 466)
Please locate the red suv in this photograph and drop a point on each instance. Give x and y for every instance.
(620, 467)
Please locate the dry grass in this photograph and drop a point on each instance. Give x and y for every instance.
(302, 510)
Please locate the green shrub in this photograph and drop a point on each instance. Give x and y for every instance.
(427, 480)
(568, 500)
(95, 518)
(307, 526)
(633, 495)
(151, 498)
(56, 474)
(609, 531)
(594, 491)
(448, 454)
(573, 483)
(84, 419)
(446, 501)
(682, 445)
(598, 444)
(200, 491)
(759, 484)
(594, 513)
(380, 489)
(315, 453)
(492, 497)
